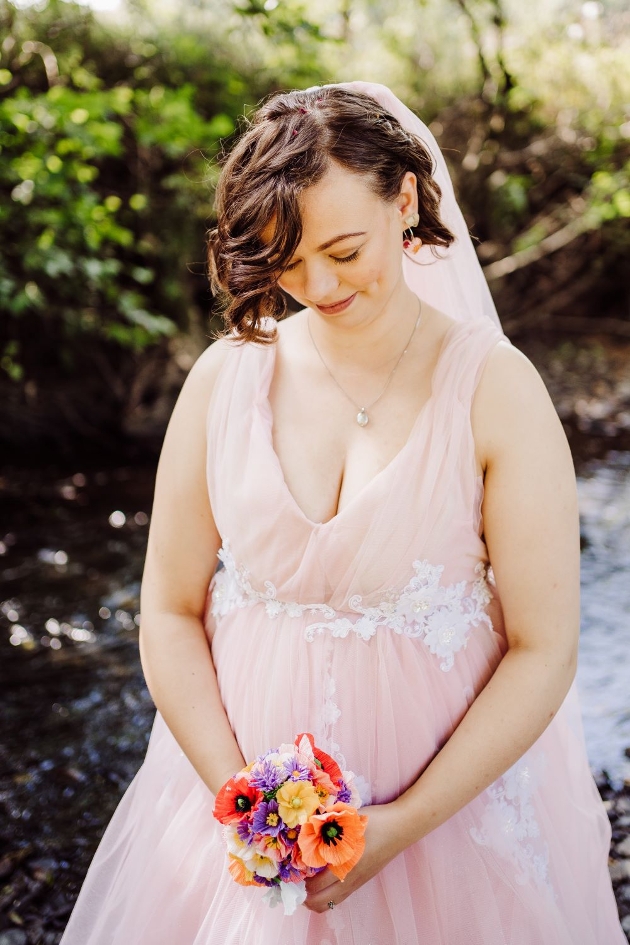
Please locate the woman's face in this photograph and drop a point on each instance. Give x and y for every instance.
(365, 265)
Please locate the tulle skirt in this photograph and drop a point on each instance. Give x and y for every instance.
(525, 863)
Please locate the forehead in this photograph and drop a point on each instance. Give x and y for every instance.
(342, 201)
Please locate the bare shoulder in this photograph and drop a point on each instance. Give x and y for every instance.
(202, 376)
(512, 410)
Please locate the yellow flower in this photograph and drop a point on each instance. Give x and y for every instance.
(297, 800)
(322, 793)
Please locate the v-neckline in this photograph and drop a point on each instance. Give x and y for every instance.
(264, 400)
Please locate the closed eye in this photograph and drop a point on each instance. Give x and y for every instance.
(336, 259)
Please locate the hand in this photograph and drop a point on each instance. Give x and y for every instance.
(383, 841)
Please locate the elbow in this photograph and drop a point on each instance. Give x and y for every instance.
(559, 664)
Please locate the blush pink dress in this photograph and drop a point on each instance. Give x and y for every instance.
(375, 631)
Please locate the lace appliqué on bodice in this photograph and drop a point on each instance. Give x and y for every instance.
(441, 615)
(509, 825)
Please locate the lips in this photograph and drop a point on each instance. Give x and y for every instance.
(338, 306)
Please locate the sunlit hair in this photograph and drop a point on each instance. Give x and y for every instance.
(287, 146)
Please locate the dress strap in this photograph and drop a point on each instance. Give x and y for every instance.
(452, 456)
(461, 369)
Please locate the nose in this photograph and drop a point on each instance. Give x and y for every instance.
(319, 283)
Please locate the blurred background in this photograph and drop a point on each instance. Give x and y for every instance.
(113, 116)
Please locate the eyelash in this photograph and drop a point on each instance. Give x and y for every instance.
(336, 259)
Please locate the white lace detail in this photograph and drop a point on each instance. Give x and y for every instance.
(441, 615)
(509, 825)
(331, 712)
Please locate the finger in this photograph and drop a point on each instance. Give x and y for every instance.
(322, 890)
(323, 880)
(319, 903)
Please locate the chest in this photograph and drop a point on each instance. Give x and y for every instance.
(327, 458)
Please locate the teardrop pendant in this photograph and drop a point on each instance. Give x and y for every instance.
(362, 417)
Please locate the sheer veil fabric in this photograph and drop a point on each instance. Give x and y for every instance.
(375, 631)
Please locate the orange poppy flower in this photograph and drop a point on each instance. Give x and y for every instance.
(235, 799)
(334, 839)
(239, 871)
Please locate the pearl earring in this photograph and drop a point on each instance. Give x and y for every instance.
(412, 242)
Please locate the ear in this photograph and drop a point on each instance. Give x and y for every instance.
(407, 200)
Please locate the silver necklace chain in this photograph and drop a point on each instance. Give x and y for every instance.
(362, 417)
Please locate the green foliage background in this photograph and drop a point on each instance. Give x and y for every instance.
(110, 128)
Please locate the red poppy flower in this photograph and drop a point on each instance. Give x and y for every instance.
(235, 800)
(329, 764)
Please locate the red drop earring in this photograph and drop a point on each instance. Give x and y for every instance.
(412, 242)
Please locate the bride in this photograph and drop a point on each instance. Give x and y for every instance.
(388, 426)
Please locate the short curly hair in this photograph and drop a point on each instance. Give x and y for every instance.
(288, 145)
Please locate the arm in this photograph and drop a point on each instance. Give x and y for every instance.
(181, 557)
(531, 527)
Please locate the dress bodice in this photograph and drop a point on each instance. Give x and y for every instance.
(406, 549)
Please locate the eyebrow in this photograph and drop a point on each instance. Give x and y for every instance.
(337, 239)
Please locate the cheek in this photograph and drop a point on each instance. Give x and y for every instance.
(376, 267)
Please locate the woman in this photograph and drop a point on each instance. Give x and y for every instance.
(392, 497)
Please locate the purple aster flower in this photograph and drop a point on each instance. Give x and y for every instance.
(245, 830)
(287, 871)
(269, 777)
(284, 835)
(264, 881)
(266, 819)
(296, 770)
(344, 793)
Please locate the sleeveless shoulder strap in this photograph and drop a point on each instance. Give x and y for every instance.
(229, 421)
(238, 382)
(466, 356)
(453, 453)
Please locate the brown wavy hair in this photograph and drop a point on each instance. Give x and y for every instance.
(287, 146)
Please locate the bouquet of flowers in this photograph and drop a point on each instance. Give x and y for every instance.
(288, 815)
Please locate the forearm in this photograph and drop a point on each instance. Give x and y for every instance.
(181, 678)
(507, 717)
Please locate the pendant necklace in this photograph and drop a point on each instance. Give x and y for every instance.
(362, 417)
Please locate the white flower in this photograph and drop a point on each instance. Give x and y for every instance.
(235, 845)
(304, 748)
(293, 895)
(359, 788)
(262, 865)
(272, 895)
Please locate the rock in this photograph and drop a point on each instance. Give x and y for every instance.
(623, 848)
(619, 870)
(13, 937)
